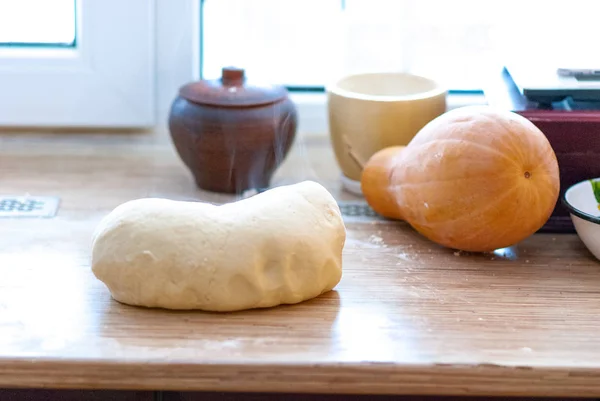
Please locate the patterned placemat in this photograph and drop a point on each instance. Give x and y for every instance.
(28, 206)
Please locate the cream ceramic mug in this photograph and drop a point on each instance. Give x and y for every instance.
(369, 112)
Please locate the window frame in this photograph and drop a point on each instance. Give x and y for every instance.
(107, 80)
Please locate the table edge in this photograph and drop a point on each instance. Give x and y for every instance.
(324, 378)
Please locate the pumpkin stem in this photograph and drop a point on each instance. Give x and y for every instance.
(352, 154)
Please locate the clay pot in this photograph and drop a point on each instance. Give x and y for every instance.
(232, 135)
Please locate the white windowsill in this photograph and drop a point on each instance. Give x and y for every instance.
(312, 109)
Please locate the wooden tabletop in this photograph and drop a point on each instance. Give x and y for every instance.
(408, 317)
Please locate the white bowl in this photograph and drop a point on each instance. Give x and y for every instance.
(582, 205)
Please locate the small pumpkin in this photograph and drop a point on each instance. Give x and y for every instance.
(375, 182)
(475, 179)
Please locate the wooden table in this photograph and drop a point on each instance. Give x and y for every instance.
(409, 317)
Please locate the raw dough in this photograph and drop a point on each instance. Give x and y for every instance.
(282, 246)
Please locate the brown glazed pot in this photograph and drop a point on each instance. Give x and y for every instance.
(231, 135)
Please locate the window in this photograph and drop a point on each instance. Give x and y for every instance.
(117, 63)
(458, 42)
(77, 63)
(52, 23)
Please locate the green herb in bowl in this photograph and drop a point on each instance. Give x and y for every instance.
(596, 189)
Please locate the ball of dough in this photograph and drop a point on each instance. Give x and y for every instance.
(282, 246)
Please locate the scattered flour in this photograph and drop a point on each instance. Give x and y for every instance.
(404, 256)
(374, 239)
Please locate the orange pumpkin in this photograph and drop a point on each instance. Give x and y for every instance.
(375, 182)
(476, 179)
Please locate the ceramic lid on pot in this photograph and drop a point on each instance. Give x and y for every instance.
(231, 90)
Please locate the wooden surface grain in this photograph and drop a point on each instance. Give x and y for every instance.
(229, 396)
(408, 317)
(93, 395)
